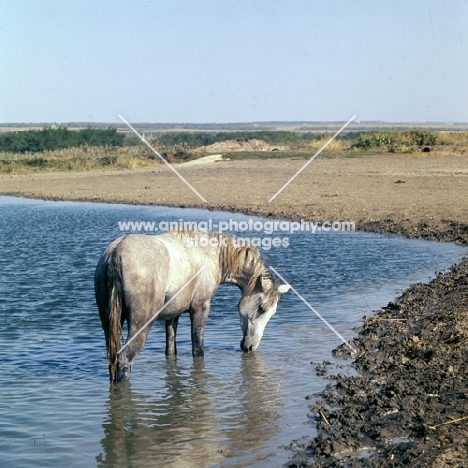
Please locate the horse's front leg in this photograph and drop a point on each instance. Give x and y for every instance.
(198, 315)
(171, 332)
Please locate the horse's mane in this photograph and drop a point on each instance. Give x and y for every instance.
(240, 260)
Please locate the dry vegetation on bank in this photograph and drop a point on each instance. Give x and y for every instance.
(77, 159)
(183, 147)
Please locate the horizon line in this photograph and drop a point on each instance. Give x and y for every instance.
(259, 122)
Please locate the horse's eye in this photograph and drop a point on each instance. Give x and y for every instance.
(261, 310)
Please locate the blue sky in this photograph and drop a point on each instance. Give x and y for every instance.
(233, 61)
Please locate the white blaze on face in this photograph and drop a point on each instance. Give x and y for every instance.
(260, 323)
(253, 323)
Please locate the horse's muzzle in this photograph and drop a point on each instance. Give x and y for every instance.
(123, 372)
(246, 347)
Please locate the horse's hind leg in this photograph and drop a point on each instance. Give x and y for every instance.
(136, 340)
(171, 332)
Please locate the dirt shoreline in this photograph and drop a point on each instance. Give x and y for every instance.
(414, 353)
(408, 405)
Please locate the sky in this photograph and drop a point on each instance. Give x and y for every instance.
(223, 61)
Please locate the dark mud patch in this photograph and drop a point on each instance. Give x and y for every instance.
(438, 230)
(408, 405)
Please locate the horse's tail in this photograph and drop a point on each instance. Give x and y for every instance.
(115, 327)
(109, 293)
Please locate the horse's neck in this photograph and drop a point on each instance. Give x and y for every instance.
(240, 282)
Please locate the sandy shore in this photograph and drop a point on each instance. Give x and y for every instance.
(413, 354)
(418, 196)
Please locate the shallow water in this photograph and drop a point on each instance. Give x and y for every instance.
(228, 409)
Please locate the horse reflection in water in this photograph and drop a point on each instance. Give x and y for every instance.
(194, 417)
(140, 277)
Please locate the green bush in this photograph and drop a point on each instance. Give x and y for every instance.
(35, 141)
(396, 142)
(422, 137)
(177, 153)
(37, 162)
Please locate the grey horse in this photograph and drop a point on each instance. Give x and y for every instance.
(142, 278)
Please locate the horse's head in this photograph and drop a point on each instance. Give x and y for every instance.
(121, 369)
(256, 308)
(124, 370)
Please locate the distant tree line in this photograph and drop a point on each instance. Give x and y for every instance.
(58, 138)
(51, 138)
(196, 139)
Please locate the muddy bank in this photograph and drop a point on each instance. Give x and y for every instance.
(409, 403)
(443, 230)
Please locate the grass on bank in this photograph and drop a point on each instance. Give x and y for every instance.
(115, 158)
(77, 159)
(183, 146)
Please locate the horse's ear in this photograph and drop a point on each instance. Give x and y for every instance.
(282, 288)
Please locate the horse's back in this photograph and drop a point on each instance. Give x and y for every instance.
(136, 257)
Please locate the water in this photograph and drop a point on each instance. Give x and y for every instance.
(56, 406)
